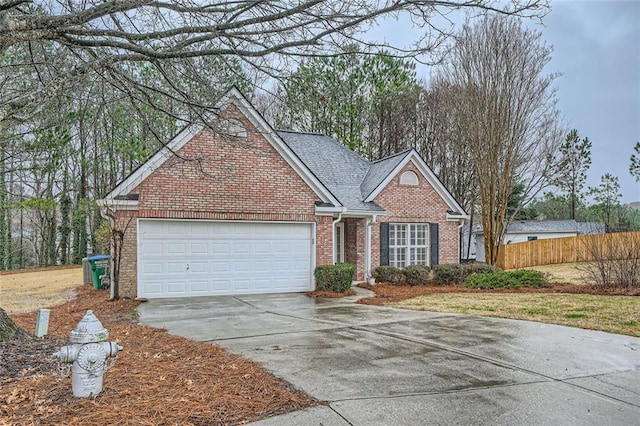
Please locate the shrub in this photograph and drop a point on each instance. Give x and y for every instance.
(336, 277)
(449, 273)
(388, 274)
(481, 268)
(508, 279)
(416, 274)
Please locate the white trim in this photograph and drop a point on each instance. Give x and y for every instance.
(328, 211)
(363, 213)
(156, 219)
(456, 217)
(409, 178)
(429, 176)
(119, 204)
(233, 96)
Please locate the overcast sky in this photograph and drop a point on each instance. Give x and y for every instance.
(597, 50)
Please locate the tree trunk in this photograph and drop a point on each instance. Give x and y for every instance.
(8, 329)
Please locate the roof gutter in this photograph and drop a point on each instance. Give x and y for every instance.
(118, 204)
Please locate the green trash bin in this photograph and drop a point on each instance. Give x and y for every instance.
(99, 264)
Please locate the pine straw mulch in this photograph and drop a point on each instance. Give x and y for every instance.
(388, 293)
(327, 294)
(158, 379)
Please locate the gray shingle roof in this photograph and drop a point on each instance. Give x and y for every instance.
(544, 226)
(379, 170)
(340, 170)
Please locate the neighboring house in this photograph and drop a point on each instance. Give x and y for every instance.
(236, 208)
(528, 230)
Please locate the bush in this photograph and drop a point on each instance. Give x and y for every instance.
(508, 279)
(416, 274)
(449, 273)
(336, 277)
(388, 274)
(481, 268)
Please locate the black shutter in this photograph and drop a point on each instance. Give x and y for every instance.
(384, 243)
(434, 243)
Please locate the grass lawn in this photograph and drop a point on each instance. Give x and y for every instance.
(615, 314)
(29, 290)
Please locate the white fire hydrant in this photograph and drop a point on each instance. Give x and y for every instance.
(88, 353)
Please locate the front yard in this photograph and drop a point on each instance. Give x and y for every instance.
(164, 379)
(157, 379)
(569, 301)
(614, 314)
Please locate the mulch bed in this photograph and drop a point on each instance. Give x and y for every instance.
(157, 379)
(330, 294)
(388, 293)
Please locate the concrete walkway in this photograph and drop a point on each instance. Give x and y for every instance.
(383, 366)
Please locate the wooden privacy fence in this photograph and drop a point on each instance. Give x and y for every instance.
(560, 250)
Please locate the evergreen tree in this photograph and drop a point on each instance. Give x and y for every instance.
(574, 162)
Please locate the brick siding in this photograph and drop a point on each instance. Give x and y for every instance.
(410, 204)
(215, 177)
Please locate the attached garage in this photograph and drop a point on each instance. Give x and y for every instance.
(181, 258)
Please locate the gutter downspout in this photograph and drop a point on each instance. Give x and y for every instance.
(333, 234)
(367, 246)
(460, 240)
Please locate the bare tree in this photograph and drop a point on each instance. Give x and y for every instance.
(102, 38)
(510, 123)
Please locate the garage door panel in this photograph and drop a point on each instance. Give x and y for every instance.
(199, 248)
(184, 258)
(176, 288)
(200, 287)
(199, 267)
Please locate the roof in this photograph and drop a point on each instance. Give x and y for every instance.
(340, 177)
(341, 170)
(352, 179)
(551, 226)
(591, 228)
(379, 170)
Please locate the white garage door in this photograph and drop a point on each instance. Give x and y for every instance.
(199, 258)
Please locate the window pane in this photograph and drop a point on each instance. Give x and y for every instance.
(402, 235)
(401, 258)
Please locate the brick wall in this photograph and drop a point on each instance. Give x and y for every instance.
(405, 204)
(126, 222)
(218, 177)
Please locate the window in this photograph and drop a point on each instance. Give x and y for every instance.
(532, 238)
(409, 178)
(408, 244)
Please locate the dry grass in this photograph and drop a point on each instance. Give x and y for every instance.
(31, 290)
(615, 314)
(563, 273)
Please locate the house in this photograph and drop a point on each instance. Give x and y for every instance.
(238, 208)
(528, 230)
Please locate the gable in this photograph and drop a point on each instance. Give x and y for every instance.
(427, 181)
(237, 122)
(419, 202)
(215, 172)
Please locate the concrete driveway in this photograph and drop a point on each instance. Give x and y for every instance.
(382, 366)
